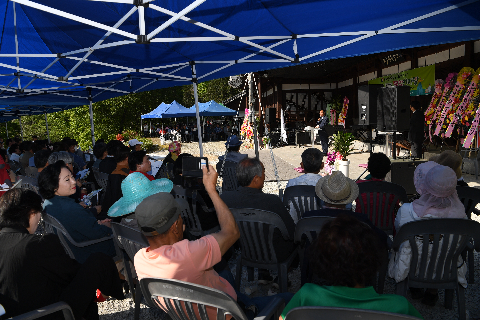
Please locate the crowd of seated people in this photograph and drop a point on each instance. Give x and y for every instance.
(141, 201)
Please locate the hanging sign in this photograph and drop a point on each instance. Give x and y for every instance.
(420, 80)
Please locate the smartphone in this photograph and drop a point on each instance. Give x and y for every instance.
(192, 166)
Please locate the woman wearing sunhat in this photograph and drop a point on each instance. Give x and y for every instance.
(135, 188)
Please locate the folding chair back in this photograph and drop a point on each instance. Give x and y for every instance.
(28, 183)
(42, 312)
(380, 202)
(435, 266)
(256, 238)
(129, 241)
(300, 199)
(308, 228)
(229, 174)
(331, 313)
(184, 300)
(470, 197)
(102, 178)
(52, 225)
(31, 172)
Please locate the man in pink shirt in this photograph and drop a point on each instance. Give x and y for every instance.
(172, 257)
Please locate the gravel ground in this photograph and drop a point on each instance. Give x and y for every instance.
(120, 310)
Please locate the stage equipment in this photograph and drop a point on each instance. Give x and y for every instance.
(367, 104)
(401, 173)
(303, 137)
(270, 115)
(393, 109)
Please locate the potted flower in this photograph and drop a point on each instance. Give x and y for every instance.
(342, 143)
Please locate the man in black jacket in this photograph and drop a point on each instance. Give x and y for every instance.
(322, 122)
(416, 134)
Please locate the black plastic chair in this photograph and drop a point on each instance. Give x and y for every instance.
(300, 199)
(381, 202)
(257, 245)
(306, 232)
(331, 313)
(101, 177)
(183, 300)
(191, 219)
(31, 172)
(447, 239)
(229, 175)
(470, 197)
(129, 241)
(51, 308)
(52, 225)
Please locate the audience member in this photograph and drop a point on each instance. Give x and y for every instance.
(15, 152)
(36, 270)
(41, 159)
(135, 145)
(378, 166)
(9, 143)
(172, 257)
(27, 153)
(108, 164)
(138, 161)
(100, 152)
(312, 163)
(436, 185)
(452, 160)
(347, 255)
(136, 187)
(56, 184)
(72, 147)
(233, 147)
(114, 183)
(5, 178)
(251, 176)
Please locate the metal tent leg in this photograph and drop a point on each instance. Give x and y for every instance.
(48, 132)
(91, 119)
(21, 126)
(195, 94)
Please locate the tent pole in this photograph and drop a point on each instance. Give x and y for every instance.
(48, 132)
(252, 113)
(6, 128)
(91, 116)
(195, 94)
(21, 127)
(141, 126)
(150, 130)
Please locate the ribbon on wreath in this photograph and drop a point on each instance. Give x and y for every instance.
(473, 129)
(467, 98)
(449, 87)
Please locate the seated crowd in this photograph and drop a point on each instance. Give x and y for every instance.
(338, 270)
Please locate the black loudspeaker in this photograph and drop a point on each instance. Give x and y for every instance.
(393, 109)
(270, 115)
(367, 104)
(401, 173)
(303, 137)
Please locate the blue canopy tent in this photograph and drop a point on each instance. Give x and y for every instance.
(214, 109)
(157, 112)
(176, 110)
(94, 50)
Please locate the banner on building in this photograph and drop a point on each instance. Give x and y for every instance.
(421, 80)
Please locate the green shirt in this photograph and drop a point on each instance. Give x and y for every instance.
(345, 297)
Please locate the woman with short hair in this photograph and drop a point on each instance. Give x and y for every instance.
(56, 184)
(36, 271)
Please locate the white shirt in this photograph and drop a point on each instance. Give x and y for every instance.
(308, 179)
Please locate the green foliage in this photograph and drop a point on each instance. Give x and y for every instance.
(342, 142)
(116, 115)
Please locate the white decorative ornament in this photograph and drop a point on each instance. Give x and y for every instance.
(235, 81)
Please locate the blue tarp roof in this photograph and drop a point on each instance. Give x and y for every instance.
(212, 108)
(176, 110)
(157, 112)
(75, 49)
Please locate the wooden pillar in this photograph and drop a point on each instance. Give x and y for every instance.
(414, 63)
(469, 55)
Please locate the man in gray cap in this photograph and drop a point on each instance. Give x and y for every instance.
(172, 257)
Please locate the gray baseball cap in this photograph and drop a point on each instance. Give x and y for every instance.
(158, 212)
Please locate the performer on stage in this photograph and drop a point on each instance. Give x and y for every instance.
(416, 134)
(322, 134)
